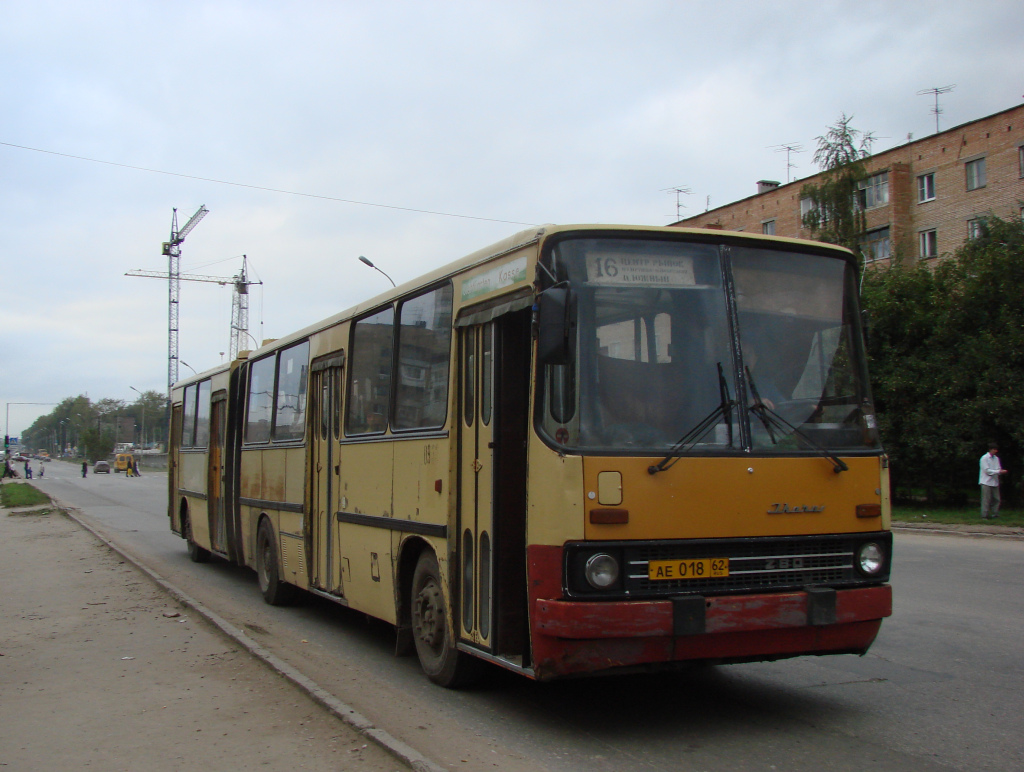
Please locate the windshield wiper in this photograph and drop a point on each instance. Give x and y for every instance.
(695, 434)
(770, 418)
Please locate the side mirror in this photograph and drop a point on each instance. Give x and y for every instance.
(556, 326)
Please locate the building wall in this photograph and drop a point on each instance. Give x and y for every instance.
(998, 139)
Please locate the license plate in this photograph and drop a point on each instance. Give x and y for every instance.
(699, 568)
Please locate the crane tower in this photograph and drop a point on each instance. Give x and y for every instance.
(172, 249)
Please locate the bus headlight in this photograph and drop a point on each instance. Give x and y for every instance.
(870, 558)
(602, 571)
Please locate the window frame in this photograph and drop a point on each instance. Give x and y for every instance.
(972, 178)
(354, 363)
(926, 187)
(866, 240)
(398, 343)
(873, 192)
(928, 243)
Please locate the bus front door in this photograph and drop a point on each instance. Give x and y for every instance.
(494, 383)
(476, 481)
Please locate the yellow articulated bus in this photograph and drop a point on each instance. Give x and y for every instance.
(583, 449)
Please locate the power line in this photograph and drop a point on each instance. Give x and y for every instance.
(264, 188)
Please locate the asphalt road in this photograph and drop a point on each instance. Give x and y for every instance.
(943, 687)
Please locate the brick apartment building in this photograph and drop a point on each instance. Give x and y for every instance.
(921, 200)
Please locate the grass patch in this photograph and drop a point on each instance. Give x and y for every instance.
(21, 495)
(954, 515)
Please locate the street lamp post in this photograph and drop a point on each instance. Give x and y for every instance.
(366, 261)
(143, 417)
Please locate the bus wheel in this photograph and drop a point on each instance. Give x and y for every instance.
(275, 592)
(196, 553)
(435, 644)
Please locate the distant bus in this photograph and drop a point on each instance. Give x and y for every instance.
(583, 449)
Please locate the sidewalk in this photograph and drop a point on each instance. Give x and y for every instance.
(100, 669)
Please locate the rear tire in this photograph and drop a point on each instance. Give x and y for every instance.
(196, 553)
(439, 658)
(268, 571)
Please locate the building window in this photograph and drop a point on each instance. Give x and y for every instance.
(876, 245)
(768, 227)
(874, 191)
(929, 244)
(973, 229)
(1020, 159)
(975, 173)
(926, 187)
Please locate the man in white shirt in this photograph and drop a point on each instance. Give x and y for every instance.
(988, 479)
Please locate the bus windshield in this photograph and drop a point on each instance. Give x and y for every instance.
(696, 347)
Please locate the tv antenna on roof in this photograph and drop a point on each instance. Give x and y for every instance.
(788, 148)
(937, 111)
(679, 190)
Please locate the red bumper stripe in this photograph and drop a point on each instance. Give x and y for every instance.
(729, 614)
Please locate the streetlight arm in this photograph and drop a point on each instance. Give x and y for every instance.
(366, 261)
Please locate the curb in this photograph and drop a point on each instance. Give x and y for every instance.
(349, 715)
(935, 530)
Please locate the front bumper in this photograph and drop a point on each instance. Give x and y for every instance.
(572, 637)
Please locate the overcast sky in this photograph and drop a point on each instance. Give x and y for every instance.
(497, 114)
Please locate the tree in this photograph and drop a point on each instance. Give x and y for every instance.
(947, 356)
(834, 214)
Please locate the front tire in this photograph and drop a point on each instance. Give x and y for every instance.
(442, 662)
(268, 571)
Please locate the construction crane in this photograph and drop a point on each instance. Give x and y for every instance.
(172, 250)
(240, 283)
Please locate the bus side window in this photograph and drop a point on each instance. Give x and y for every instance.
(369, 385)
(290, 408)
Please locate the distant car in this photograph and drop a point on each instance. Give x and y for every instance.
(101, 466)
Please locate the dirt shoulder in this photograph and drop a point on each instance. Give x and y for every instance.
(99, 668)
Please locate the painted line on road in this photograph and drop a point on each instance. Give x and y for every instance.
(400, 750)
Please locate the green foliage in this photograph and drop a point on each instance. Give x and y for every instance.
(21, 495)
(835, 216)
(947, 356)
(96, 444)
(78, 422)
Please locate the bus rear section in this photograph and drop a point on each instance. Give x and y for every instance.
(706, 480)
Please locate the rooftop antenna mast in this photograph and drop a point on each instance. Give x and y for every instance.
(788, 148)
(937, 111)
(679, 190)
(172, 249)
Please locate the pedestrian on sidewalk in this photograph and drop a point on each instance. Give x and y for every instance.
(988, 478)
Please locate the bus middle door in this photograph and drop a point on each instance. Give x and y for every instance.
(324, 471)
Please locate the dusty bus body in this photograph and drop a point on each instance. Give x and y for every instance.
(582, 449)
